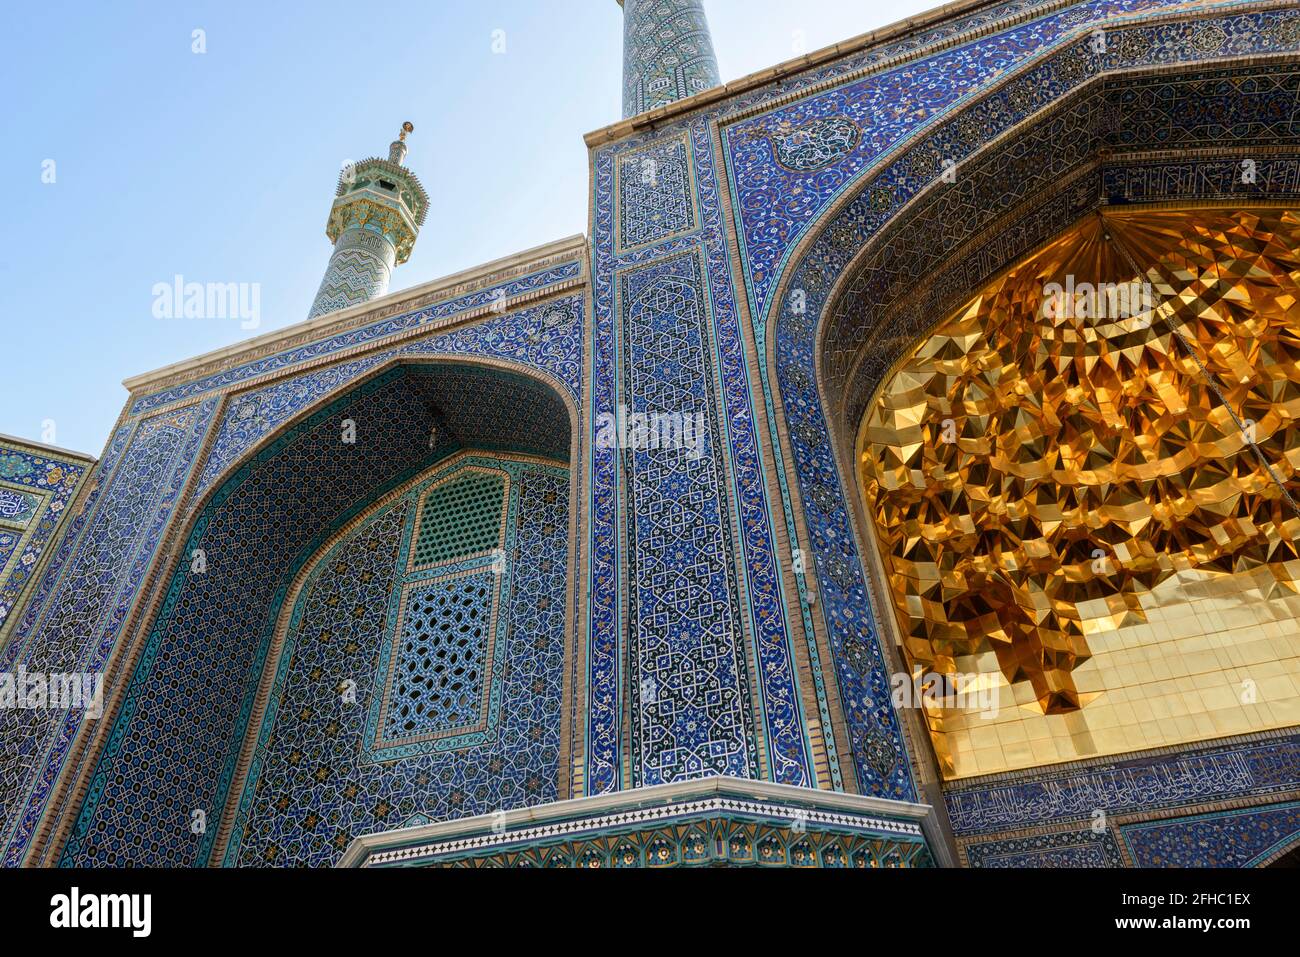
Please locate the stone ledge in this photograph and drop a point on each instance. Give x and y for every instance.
(405, 300)
(711, 800)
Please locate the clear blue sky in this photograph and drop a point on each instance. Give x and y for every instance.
(221, 167)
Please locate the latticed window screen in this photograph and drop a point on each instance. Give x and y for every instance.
(438, 685)
(460, 518)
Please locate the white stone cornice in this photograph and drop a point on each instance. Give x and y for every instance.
(590, 815)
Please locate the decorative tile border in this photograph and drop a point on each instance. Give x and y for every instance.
(1243, 838)
(483, 299)
(546, 337)
(1067, 850)
(1172, 778)
(97, 577)
(632, 820)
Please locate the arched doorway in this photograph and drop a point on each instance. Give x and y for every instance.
(904, 249)
(1082, 487)
(177, 739)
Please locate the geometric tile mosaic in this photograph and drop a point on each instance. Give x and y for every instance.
(1236, 839)
(689, 678)
(782, 746)
(656, 193)
(438, 676)
(460, 518)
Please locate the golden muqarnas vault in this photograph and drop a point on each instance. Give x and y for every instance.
(1066, 508)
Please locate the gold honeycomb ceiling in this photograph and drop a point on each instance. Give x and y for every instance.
(1068, 514)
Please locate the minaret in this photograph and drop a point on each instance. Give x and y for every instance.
(667, 53)
(378, 212)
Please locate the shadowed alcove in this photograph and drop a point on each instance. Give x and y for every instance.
(203, 679)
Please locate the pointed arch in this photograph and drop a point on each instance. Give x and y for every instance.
(284, 493)
(882, 264)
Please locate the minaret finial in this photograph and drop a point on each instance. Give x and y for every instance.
(397, 149)
(667, 53)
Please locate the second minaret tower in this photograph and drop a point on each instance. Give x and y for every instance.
(377, 213)
(667, 53)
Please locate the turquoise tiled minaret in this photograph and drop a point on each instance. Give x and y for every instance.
(667, 53)
(378, 212)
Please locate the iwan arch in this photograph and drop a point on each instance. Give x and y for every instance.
(378, 590)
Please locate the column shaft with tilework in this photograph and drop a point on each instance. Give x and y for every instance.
(667, 53)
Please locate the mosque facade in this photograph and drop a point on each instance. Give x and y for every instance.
(901, 473)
